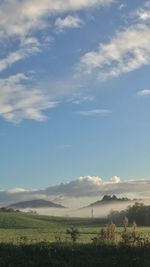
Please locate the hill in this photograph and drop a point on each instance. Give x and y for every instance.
(37, 203)
(107, 200)
(32, 222)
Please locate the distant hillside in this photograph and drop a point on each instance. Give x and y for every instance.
(37, 203)
(107, 199)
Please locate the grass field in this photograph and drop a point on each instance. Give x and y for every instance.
(38, 228)
(20, 227)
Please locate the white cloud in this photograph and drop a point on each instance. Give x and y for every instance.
(17, 190)
(68, 22)
(84, 187)
(127, 51)
(94, 112)
(21, 17)
(28, 47)
(89, 180)
(145, 92)
(143, 14)
(18, 101)
(92, 186)
(20, 24)
(115, 179)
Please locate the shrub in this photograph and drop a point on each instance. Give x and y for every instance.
(73, 233)
(111, 228)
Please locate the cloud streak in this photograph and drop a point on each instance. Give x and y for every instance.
(145, 92)
(29, 47)
(94, 112)
(21, 18)
(19, 101)
(127, 51)
(25, 23)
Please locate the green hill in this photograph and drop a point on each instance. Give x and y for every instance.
(19, 220)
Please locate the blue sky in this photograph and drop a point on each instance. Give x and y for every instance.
(74, 91)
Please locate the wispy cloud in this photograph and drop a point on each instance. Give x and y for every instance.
(143, 13)
(19, 101)
(122, 6)
(68, 22)
(79, 99)
(20, 24)
(94, 112)
(145, 92)
(128, 50)
(29, 47)
(22, 18)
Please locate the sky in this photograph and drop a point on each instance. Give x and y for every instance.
(74, 95)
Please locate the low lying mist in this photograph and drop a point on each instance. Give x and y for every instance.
(96, 212)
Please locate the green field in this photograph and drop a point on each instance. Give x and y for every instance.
(21, 227)
(38, 228)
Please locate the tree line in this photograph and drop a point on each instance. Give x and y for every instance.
(138, 213)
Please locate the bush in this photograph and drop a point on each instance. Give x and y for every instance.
(73, 233)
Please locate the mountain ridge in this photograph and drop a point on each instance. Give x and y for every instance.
(35, 203)
(108, 199)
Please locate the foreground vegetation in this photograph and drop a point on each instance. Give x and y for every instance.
(33, 240)
(66, 255)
